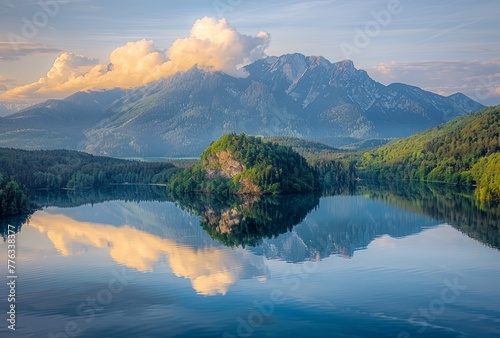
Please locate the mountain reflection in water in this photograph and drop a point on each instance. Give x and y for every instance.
(239, 232)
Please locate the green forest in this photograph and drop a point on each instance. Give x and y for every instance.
(332, 166)
(239, 164)
(57, 169)
(13, 200)
(22, 171)
(464, 151)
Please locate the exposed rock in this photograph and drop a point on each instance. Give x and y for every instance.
(223, 164)
(248, 187)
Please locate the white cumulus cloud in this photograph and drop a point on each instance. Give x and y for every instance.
(213, 45)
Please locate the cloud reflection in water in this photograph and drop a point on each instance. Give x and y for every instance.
(211, 270)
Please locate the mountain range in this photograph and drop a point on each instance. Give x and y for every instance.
(10, 107)
(291, 95)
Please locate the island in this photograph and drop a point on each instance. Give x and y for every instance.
(241, 164)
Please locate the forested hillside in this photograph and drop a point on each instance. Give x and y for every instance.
(56, 169)
(333, 166)
(241, 164)
(462, 151)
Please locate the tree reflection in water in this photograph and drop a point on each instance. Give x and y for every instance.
(246, 220)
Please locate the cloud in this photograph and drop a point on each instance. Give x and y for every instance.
(68, 72)
(4, 80)
(213, 45)
(10, 51)
(480, 80)
(211, 270)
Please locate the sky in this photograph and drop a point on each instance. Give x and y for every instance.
(52, 48)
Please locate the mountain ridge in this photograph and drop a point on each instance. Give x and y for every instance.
(290, 95)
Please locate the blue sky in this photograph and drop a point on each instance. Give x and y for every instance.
(445, 46)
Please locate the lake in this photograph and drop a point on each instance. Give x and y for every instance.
(371, 261)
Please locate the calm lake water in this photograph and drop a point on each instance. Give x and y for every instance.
(412, 261)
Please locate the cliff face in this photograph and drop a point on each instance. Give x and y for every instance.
(224, 164)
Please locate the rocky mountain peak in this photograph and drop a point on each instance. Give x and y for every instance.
(289, 95)
(345, 65)
(292, 66)
(343, 70)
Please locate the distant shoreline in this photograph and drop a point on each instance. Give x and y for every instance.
(157, 159)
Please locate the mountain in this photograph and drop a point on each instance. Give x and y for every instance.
(10, 107)
(4, 110)
(291, 95)
(184, 113)
(57, 124)
(339, 100)
(463, 151)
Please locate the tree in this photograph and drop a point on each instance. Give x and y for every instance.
(12, 199)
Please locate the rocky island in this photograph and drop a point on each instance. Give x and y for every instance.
(241, 164)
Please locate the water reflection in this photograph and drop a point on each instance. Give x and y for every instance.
(444, 203)
(211, 270)
(75, 198)
(15, 222)
(342, 225)
(403, 258)
(192, 239)
(247, 220)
